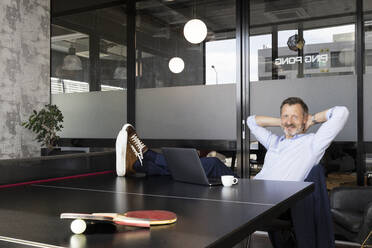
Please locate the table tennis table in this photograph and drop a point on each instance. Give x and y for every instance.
(207, 216)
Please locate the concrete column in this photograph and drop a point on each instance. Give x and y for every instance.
(24, 72)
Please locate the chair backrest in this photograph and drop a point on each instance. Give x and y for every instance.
(316, 173)
(351, 198)
(314, 211)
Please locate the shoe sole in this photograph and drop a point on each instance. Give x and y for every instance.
(121, 148)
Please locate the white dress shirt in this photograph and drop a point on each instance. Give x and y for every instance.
(292, 159)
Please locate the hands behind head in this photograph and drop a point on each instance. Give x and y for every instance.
(308, 123)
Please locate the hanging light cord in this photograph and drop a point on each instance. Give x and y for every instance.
(194, 10)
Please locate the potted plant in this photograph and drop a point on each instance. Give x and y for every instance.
(45, 124)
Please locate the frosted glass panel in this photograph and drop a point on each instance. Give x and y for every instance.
(318, 93)
(191, 112)
(367, 107)
(93, 114)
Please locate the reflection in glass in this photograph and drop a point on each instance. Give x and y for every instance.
(367, 80)
(70, 61)
(286, 68)
(220, 61)
(368, 46)
(335, 46)
(327, 52)
(113, 63)
(159, 37)
(93, 38)
(322, 73)
(260, 61)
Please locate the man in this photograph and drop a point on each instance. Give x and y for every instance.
(132, 156)
(290, 157)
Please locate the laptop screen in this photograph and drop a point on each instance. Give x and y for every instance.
(184, 165)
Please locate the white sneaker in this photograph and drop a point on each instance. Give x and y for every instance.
(129, 149)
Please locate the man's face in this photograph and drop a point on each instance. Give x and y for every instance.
(292, 120)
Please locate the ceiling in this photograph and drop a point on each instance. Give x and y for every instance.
(162, 20)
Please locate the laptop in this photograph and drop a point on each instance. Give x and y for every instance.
(185, 166)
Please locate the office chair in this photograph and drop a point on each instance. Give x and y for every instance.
(312, 211)
(351, 209)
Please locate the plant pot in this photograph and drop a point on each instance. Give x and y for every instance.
(50, 152)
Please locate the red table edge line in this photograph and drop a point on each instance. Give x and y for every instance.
(55, 179)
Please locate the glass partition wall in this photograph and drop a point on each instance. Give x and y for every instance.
(135, 59)
(367, 81)
(89, 71)
(197, 102)
(69, 61)
(160, 36)
(307, 49)
(90, 49)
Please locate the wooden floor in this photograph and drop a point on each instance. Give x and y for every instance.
(341, 179)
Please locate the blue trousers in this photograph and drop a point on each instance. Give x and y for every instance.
(153, 164)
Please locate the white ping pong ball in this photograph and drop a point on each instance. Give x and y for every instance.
(78, 241)
(78, 226)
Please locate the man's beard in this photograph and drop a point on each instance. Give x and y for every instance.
(294, 132)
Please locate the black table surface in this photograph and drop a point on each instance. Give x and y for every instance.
(207, 216)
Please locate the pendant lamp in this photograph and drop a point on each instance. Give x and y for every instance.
(72, 62)
(120, 72)
(176, 65)
(195, 31)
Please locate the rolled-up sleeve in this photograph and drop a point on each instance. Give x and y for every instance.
(336, 119)
(264, 136)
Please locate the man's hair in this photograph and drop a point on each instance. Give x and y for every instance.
(295, 100)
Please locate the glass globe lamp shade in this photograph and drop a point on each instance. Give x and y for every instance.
(72, 63)
(195, 31)
(176, 65)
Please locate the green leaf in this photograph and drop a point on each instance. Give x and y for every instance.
(45, 124)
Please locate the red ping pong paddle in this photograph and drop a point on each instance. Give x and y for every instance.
(141, 218)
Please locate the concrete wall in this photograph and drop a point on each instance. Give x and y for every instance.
(24, 72)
